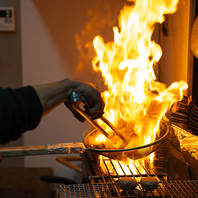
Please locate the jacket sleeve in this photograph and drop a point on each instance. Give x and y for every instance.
(20, 111)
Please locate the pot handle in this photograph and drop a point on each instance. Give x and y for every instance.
(61, 148)
(66, 148)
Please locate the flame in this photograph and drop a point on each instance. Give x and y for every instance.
(134, 101)
(129, 167)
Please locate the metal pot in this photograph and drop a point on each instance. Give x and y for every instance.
(132, 153)
(79, 147)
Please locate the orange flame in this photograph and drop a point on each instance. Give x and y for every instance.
(135, 101)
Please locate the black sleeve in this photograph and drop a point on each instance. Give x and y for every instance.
(20, 111)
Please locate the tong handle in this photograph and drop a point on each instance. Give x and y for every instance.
(105, 120)
(93, 123)
(75, 98)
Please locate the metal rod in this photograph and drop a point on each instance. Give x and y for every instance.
(94, 124)
(113, 128)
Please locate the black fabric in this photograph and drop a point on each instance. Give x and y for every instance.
(20, 111)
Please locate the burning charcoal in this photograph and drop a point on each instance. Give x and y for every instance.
(127, 183)
(149, 183)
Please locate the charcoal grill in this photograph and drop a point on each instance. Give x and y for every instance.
(98, 182)
(166, 189)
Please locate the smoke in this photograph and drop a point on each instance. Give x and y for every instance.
(101, 20)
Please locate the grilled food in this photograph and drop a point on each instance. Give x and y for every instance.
(149, 183)
(127, 183)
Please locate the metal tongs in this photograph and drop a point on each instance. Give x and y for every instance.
(76, 99)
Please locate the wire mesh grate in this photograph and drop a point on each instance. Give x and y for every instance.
(181, 189)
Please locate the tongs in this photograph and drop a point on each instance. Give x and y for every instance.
(76, 99)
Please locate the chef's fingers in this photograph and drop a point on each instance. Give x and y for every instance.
(78, 116)
(94, 104)
(95, 111)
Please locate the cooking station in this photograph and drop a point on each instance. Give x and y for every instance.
(173, 165)
(101, 175)
(136, 140)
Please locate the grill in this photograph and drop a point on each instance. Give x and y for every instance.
(101, 176)
(106, 185)
(138, 169)
(166, 189)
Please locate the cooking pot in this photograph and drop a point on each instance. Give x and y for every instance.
(80, 147)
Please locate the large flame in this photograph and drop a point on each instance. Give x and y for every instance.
(135, 101)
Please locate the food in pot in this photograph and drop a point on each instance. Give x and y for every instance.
(127, 183)
(149, 183)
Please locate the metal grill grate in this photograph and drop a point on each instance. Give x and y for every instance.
(181, 189)
(137, 169)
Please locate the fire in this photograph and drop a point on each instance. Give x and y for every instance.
(134, 101)
(120, 167)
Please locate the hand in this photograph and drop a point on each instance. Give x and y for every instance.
(94, 106)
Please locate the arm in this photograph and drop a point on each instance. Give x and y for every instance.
(21, 109)
(53, 94)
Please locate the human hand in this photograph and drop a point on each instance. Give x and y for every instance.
(94, 106)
